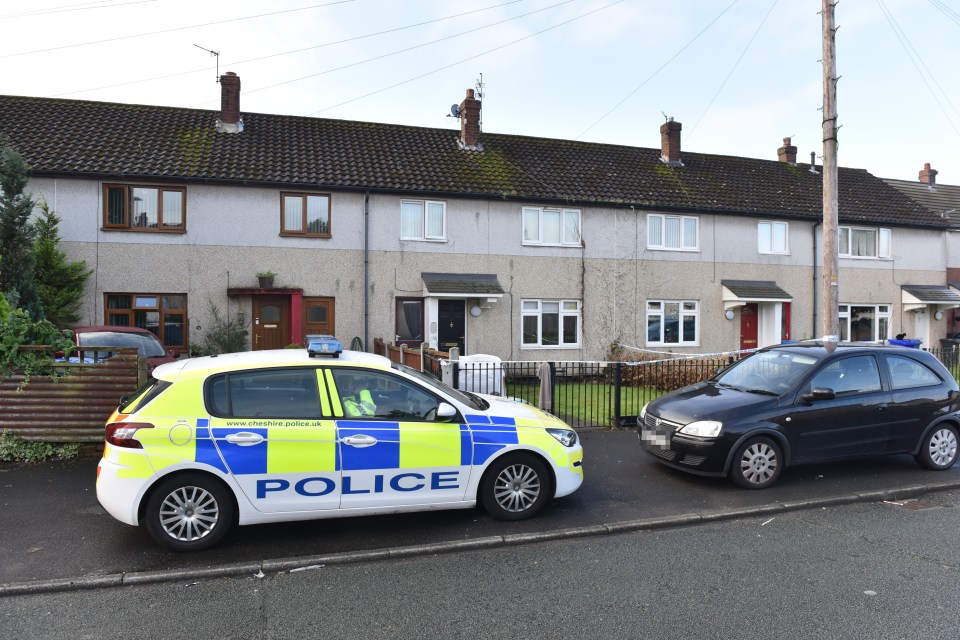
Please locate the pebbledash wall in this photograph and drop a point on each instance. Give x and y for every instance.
(232, 232)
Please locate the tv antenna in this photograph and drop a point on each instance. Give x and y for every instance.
(480, 86)
(215, 54)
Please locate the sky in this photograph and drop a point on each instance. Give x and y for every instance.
(740, 75)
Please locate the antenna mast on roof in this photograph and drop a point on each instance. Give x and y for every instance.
(480, 86)
(215, 54)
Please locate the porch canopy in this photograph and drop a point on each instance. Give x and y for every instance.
(485, 287)
(920, 296)
(737, 293)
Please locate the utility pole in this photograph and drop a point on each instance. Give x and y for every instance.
(829, 311)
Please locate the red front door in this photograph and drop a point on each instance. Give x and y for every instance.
(748, 326)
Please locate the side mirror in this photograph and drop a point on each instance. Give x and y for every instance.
(819, 393)
(173, 353)
(446, 412)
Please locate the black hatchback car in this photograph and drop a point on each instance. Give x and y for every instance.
(802, 403)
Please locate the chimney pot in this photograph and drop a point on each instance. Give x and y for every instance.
(470, 122)
(670, 143)
(928, 175)
(788, 152)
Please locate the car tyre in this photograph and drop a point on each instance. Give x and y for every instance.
(515, 487)
(189, 512)
(757, 463)
(938, 451)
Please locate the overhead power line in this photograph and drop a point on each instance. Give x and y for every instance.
(236, 63)
(171, 30)
(411, 48)
(655, 73)
(914, 57)
(82, 6)
(461, 61)
(732, 69)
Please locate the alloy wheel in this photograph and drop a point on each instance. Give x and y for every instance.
(517, 488)
(189, 513)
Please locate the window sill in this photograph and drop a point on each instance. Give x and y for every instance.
(773, 253)
(672, 345)
(550, 245)
(536, 347)
(873, 258)
(321, 236)
(129, 230)
(697, 250)
(434, 240)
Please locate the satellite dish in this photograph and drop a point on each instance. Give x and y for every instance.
(455, 110)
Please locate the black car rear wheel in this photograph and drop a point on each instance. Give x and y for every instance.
(939, 448)
(757, 463)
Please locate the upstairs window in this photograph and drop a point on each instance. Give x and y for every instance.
(551, 226)
(772, 237)
(423, 220)
(305, 214)
(673, 233)
(859, 242)
(144, 208)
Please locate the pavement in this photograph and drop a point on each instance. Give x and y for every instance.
(55, 537)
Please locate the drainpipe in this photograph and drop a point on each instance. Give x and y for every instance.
(366, 271)
(816, 303)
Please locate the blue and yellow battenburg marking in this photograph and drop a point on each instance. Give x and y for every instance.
(287, 449)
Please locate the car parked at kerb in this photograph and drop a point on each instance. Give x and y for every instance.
(285, 435)
(804, 403)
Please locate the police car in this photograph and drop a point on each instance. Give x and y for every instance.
(277, 436)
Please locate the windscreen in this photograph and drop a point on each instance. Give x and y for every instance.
(145, 343)
(770, 372)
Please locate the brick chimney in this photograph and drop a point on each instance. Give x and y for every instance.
(230, 120)
(928, 175)
(670, 143)
(470, 122)
(787, 153)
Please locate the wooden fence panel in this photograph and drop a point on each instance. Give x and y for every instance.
(73, 406)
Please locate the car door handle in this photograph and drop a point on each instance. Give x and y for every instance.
(245, 438)
(360, 441)
(881, 407)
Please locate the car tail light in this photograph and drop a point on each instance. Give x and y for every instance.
(123, 434)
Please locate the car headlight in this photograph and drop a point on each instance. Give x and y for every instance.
(566, 437)
(702, 429)
(643, 412)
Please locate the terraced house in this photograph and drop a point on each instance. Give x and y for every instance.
(525, 248)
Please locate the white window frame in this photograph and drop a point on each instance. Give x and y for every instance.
(533, 308)
(654, 311)
(563, 213)
(882, 246)
(424, 211)
(770, 235)
(881, 312)
(659, 243)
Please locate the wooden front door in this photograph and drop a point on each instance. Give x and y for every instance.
(748, 326)
(271, 322)
(318, 317)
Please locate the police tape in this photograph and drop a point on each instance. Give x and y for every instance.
(679, 356)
